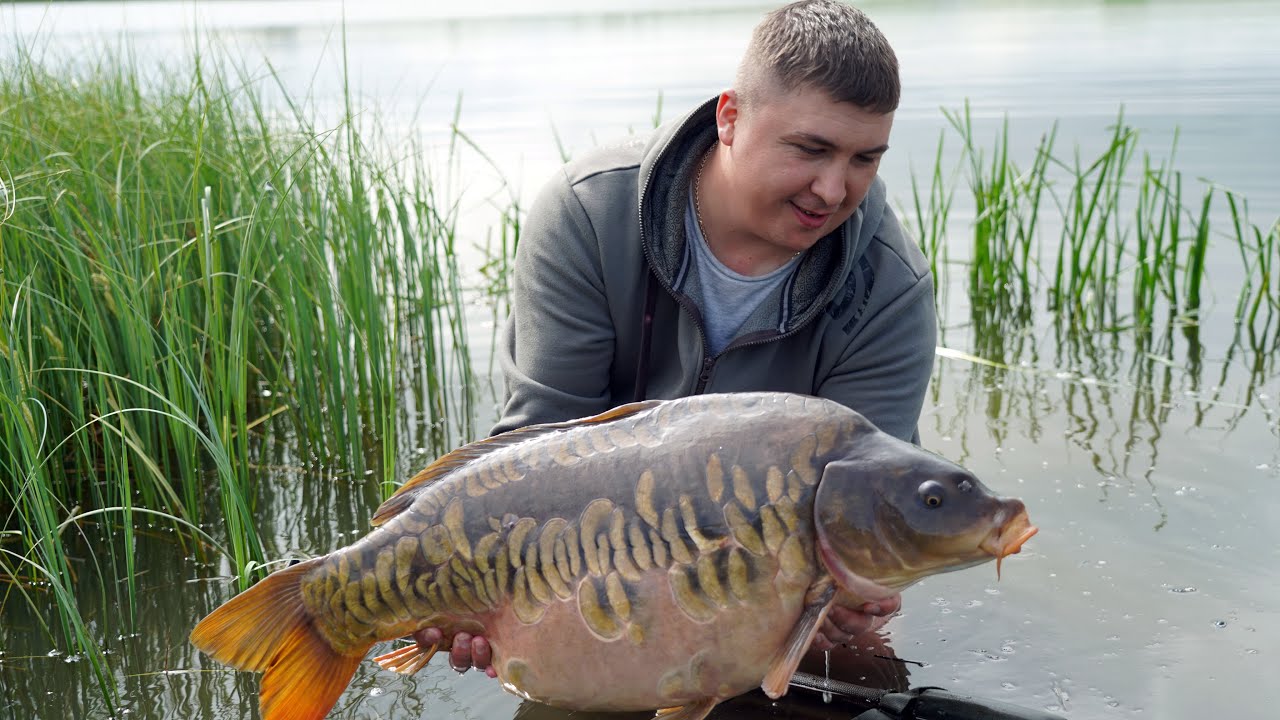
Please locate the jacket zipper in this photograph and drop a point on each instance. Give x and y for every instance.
(707, 362)
(705, 376)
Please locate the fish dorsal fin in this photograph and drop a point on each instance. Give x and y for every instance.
(464, 455)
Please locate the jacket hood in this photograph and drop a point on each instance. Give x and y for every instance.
(667, 165)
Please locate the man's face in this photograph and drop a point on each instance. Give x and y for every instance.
(799, 164)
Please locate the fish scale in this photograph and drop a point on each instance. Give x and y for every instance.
(612, 561)
(699, 579)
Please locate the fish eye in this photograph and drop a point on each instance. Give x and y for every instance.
(930, 493)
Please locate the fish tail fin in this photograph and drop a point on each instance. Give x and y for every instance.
(267, 628)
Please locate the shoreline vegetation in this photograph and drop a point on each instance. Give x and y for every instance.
(185, 267)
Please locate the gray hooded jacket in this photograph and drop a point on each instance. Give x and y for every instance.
(604, 253)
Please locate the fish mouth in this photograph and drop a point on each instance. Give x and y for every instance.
(1008, 539)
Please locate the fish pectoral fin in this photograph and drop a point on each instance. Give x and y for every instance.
(692, 711)
(406, 660)
(818, 601)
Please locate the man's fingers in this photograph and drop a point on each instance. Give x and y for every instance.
(847, 622)
(429, 637)
(821, 642)
(880, 608)
(843, 623)
(481, 654)
(460, 653)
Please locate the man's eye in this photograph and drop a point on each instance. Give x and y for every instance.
(809, 150)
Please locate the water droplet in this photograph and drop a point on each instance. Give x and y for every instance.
(1251, 651)
(266, 393)
(826, 694)
(375, 692)
(1187, 589)
(55, 653)
(1263, 466)
(1219, 623)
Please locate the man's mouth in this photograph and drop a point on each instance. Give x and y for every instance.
(808, 218)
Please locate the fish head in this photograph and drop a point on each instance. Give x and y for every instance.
(890, 513)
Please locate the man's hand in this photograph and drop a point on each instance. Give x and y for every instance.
(466, 652)
(843, 623)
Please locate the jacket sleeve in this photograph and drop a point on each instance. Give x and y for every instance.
(885, 370)
(557, 347)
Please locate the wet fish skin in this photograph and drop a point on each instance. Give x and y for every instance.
(633, 545)
(450, 556)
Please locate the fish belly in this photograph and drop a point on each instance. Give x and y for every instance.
(664, 657)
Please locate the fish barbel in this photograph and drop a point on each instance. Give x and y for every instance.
(617, 562)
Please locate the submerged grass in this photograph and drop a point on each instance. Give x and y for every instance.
(181, 268)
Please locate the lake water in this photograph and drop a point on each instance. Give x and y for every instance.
(1151, 590)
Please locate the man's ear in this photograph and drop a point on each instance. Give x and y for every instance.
(727, 116)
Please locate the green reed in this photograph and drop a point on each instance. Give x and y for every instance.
(182, 269)
(1090, 248)
(1119, 230)
(1258, 305)
(1007, 210)
(932, 214)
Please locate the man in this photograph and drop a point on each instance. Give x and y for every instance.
(748, 246)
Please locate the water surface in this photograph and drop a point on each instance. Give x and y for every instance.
(1149, 466)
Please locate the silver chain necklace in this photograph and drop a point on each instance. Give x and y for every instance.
(697, 194)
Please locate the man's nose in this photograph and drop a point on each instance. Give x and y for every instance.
(829, 185)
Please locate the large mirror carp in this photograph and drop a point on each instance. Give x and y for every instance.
(663, 555)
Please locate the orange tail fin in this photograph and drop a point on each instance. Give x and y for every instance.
(267, 628)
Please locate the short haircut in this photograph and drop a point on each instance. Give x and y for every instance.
(823, 44)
